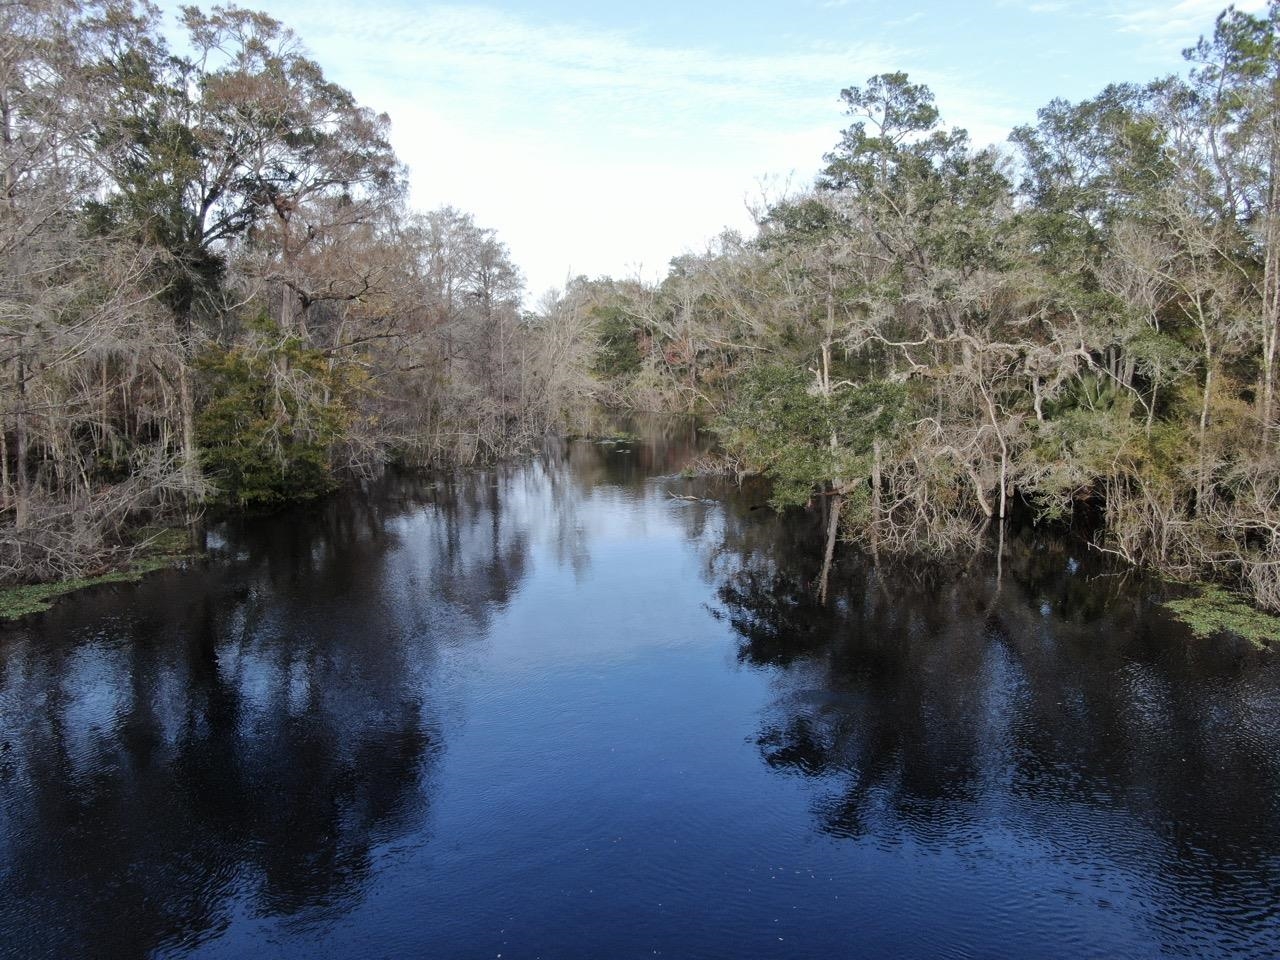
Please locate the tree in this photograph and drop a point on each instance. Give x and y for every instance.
(242, 138)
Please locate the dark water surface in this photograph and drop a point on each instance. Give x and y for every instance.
(549, 711)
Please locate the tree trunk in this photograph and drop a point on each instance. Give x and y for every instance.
(1004, 455)
(1000, 558)
(6, 489)
(1004, 479)
(10, 183)
(983, 503)
(1271, 286)
(1202, 484)
(22, 499)
(1151, 406)
(875, 485)
(20, 492)
(288, 325)
(833, 528)
(187, 417)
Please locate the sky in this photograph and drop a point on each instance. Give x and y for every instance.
(604, 138)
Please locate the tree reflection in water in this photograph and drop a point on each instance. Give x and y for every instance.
(254, 752)
(243, 740)
(946, 707)
(252, 740)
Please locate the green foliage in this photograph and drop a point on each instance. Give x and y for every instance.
(21, 601)
(1217, 611)
(1089, 391)
(619, 354)
(206, 148)
(910, 174)
(1100, 333)
(796, 224)
(274, 413)
(895, 134)
(1087, 165)
(1073, 450)
(1159, 357)
(805, 440)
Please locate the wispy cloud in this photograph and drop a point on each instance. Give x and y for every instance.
(596, 149)
(909, 19)
(493, 61)
(1183, 20)
(1043, 6)
(589, 149)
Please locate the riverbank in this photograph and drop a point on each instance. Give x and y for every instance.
(361, 727)
(157, 550)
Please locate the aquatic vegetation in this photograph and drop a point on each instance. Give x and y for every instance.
(158, 549)
(1215, 611)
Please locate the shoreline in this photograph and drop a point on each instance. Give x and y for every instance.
(167, 549)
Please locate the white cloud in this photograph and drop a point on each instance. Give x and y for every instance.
(1184, 20)
(592, 150)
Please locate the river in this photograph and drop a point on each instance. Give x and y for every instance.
(551, 711)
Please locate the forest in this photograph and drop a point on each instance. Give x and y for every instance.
(213, 293)
(215, 296)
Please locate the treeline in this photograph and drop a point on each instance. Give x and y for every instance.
(213, 292)
(1084, 322)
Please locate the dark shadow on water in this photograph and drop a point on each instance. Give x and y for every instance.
(262, 736)
(1055, 705)
(248, 732)
(247, 735)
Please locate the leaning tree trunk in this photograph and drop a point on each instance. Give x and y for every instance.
(833, 528)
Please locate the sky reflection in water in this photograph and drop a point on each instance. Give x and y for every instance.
(549, 711)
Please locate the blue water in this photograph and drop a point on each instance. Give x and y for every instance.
(551, 711)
